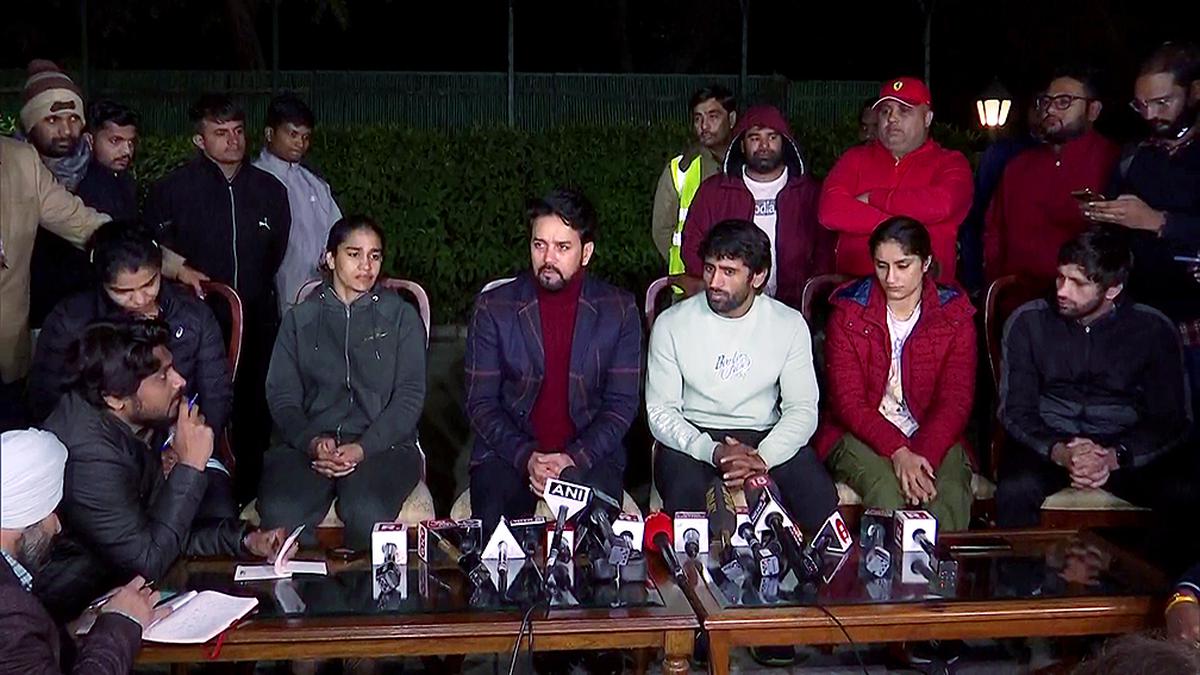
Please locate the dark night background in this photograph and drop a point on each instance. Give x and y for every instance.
(973, 42)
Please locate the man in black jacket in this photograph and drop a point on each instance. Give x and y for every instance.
(1156, 195)
(129, 263)
(231, 221)
(1093, 393)
(59, 269)
(120, 516)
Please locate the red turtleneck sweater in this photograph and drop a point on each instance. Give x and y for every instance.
(551, 415)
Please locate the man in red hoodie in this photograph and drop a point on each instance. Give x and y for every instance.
(902, 173)
(763, 180)
(1033, 212)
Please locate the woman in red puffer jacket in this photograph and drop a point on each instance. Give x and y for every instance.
(900, 361)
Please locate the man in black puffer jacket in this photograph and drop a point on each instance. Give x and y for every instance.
(120, 516)
(1093, 394)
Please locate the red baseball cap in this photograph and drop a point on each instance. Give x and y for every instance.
(910, 91)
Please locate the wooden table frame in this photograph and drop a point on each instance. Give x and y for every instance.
(919, 621)
(671, 628)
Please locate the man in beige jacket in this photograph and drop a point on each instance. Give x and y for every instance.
(29, 197)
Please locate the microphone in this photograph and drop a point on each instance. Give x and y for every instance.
(470, 563)
(502, 564)
(566, 500)
(658, 538)
(801, 558)
(768, 562)
(722, 518)
(691, 543)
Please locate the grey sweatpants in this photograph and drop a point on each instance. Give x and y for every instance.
(292, 493)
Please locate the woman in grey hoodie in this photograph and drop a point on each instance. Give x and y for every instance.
(345, 387)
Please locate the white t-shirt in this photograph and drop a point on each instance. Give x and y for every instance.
(893, 406)
(764, 214)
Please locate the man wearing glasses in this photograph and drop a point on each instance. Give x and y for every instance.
(1156, 194)
(1035, 209)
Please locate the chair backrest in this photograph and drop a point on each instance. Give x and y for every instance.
(496, 283)
(816, 308)
(817, 291)
(227, 306)
(1004, 295)
(656, 288)
(657, 299)
(307, 288)
(401, 286)
(414, 289)
(215, 291)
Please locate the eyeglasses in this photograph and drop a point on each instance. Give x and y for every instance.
(1059, 102)
(1142, 107)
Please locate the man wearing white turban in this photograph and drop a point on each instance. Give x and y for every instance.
(31, 485)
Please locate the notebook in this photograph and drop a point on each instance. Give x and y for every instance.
(195, 618)
(279, 568)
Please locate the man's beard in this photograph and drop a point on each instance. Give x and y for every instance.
(725, 302)
(1171, 130)
(1079, 311)
(59, 148)
(34, 548)
(552, 279)
(764, 164)
(1064, 133)
(144, 417)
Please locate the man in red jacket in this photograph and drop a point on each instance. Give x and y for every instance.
(763, 180)
(1033, 212)
(902, 173)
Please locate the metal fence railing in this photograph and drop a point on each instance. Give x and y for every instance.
(454, 100)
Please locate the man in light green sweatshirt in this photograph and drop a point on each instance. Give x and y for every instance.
(731, 389)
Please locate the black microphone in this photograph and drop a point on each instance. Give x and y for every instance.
(658, 538)
(800, 557)
(470, 563)
(691, 543)
(768, 562)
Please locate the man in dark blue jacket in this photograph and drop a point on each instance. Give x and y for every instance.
(553, 366)
(231, 220)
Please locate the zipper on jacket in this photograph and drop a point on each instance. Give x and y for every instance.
(233, 219)
(346, 351)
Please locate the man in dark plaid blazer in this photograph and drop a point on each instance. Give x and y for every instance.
(553, 370)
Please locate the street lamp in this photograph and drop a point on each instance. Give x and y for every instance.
(993, 106)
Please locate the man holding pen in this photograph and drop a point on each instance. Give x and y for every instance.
(121, 516)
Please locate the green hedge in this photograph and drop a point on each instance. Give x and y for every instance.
(452, 202)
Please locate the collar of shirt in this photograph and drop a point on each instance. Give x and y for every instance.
(18, 569)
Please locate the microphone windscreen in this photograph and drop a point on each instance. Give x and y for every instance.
(658, 523)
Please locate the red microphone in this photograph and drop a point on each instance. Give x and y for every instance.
(659, 535)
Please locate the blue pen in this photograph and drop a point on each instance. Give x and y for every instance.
(171, 436)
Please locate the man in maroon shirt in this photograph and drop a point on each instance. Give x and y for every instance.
(1034, 212)
(553, 369)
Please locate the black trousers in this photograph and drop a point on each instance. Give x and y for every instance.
(500, 489)
(250, 422)
(293, 494)
(1169, 486)
(804, 484)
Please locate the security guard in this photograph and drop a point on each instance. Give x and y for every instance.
(714, 113)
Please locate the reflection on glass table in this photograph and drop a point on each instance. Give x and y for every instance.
(357, 588)
(961, 568)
